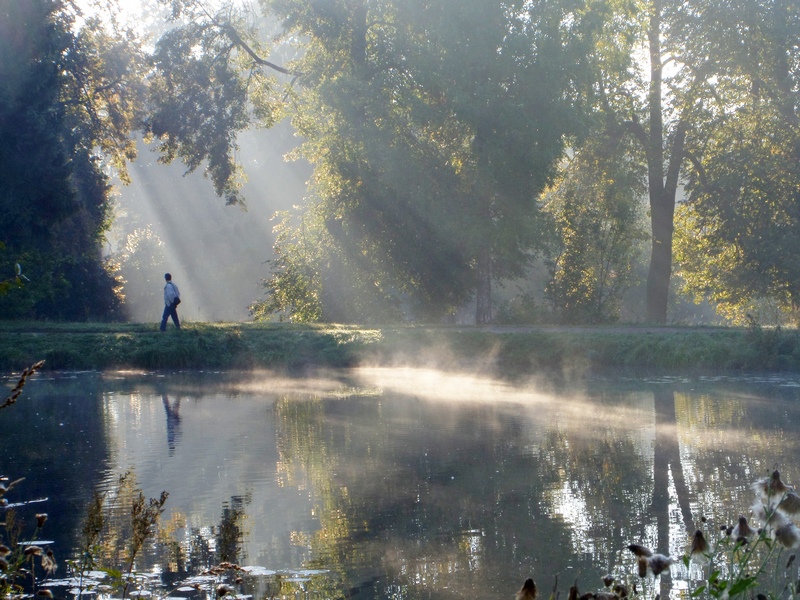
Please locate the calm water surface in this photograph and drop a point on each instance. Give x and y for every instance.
(400, 483)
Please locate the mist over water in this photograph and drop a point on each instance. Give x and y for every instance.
(433, 482)
(216, 253)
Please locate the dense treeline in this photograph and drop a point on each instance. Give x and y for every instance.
(65, 107)
(455, 147)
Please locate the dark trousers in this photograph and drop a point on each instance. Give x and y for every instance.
(170, 311)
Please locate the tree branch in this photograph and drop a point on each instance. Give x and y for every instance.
(237, 39)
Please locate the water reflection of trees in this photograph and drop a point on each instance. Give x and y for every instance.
(384, 493)
(534, 493)
(737, 435)
(199, 548)
(54, 438)
(413, 498)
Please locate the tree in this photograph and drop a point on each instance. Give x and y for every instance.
(744, 198)
(662, 110)
(67, 102)
(598, 226)
(431, 133)
(208, 84)
(430, 130)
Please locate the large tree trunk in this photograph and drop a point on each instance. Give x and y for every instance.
(658, 276)
(661, 253)
(662, 186)
(483, 257)
(483, 293)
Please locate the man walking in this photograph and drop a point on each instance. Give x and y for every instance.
(172, 297)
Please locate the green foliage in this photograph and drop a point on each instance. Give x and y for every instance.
(598, 229)
(205, 88)
(745, 224)
(742, 226)
(66, 94)
(426, 170)
(293, 289)
(522, 309)
(307, 285)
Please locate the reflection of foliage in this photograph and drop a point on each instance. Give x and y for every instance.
(392, 488)
(230, 534)
(596, 485)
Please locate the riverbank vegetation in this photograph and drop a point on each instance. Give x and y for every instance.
(510, 351)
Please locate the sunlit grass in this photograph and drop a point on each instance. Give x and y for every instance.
(514, 352)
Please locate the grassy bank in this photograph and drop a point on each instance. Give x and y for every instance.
(511, 351)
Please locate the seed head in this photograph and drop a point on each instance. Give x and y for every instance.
(40, 519)
(699, 551)
(659, 563)
(33, 551)
(527, 591)
(771, 488)
(788, 535)
(4, 550)
(44, 594)
(768, 516)
(790, 503)
(640, 550)
(608, 580)
(223, 589)
(742, 532)
(641, 565)
(574, 594)
(49, 562)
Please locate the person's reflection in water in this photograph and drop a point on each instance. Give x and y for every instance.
(173, 421)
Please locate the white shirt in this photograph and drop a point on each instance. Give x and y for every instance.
(170, 293)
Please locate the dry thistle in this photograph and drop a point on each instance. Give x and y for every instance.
(788, 535)
(790, 503)
(641, 564)
(40, 519)
(659, 563)
(771, 488)
(639, 550)
(528, 590)
(699, 551)
(49, 562)
(33, 551)
(742, 532)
